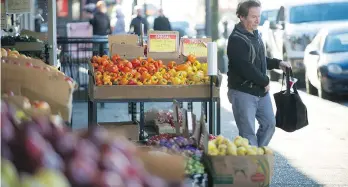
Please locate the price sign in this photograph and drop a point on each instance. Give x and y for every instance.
(3, 15)
(18, 6)
(195, 47)
(162, 43)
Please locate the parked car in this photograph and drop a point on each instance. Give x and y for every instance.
(326, 63)
(296, 25)
(183, 27)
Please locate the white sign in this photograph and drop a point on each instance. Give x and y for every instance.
(18, 6)
(3, 15)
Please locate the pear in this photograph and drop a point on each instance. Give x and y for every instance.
(212, 149)
(52, 178)
(9, 175)
(30, 181)
(231, 148)
(254, 148)
(260, 151)
(267, 150)
(245, 142)
(238, 141)
(251, 151)
(241, 151)
(219, 139)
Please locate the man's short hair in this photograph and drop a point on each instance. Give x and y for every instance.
(244, 6)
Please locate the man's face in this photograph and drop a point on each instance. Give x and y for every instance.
(251, 22)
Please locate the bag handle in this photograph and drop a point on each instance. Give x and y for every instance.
(288, 73)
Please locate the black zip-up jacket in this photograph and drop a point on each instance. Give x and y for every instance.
(101, 24)
(161, 23)
(248, 63)
(135, 23)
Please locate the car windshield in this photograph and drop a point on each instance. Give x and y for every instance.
(319, 12)
(336, 43)
(270, 15)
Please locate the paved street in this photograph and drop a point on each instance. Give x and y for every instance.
(314, 156)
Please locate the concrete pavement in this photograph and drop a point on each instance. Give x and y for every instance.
(314, 156)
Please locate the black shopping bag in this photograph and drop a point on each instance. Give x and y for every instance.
(291, 111)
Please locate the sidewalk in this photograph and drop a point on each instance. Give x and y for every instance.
(299, 156)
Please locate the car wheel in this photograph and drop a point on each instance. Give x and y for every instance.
(310, 89)
(324, 94)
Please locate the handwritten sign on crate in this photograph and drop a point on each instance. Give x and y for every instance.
(162, 42)
(194, 46)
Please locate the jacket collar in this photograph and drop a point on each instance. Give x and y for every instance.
(240, 27)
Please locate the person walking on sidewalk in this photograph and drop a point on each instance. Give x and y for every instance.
(120, 23)
(101, 21)
(161, 23)
(135, 26)
(101, 27)
(247, 80)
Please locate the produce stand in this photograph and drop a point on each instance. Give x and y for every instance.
(126, 47)
(27, 45)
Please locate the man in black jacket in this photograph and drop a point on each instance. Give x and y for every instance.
(100, 20)
(247, 80)
(101, 27)
(161, 23)
(136, 22)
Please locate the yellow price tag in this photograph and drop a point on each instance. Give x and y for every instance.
(195, 47)
(162, 43)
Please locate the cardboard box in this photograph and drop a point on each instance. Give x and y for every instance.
(168, 167)
(130, 130)
(36, 84)
(236, 171)
(151, 92)
(37, 63)
(126, 47)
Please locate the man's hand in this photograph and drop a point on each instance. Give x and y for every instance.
(267, 88)
(283, 65)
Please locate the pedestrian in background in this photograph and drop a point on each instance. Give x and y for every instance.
(247, 80)
(161, 23)
(100, 20)
(101, 27)
(120, 23)
(135, 26)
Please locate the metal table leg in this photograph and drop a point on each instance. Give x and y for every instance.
(132, 108)
(94, 113)
(190, 106)
(134, 112)
(90, 112)
(205, 110)
(218, 116)
(142, 120)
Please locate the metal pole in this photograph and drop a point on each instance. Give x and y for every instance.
(214, 20)
(145, 9)
(52, 31)
(208, 17)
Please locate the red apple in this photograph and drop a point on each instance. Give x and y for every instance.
(81, 171)
(109, 179)
(66, 144)
(28, 64)
(41, 105)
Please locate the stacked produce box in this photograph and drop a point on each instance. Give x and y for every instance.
(32, 78)
(27, 45)
(234, 162)
(41, 151)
